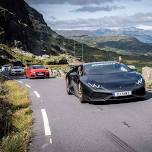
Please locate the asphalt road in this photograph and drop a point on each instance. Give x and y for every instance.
(63, 124)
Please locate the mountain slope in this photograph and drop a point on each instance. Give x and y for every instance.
(127, 44)
(142, 35)
(24, 27)
(123, 44)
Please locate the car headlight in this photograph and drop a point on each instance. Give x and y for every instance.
(140, 81)
(33, 72)
(95, 85)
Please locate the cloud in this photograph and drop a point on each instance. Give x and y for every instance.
(74, 2)
(96, 9)
(52, 18)
(113, 21)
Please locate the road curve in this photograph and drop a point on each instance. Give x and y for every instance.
(63, 124)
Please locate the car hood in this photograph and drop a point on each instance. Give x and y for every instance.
(39, 70)
(17, 69)
(115, 81)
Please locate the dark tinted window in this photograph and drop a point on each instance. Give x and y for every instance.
(103, 68)
(37, 67)
(17, 67)
(6, 66)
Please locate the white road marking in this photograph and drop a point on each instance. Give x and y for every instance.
(51, 141)
(27, 85)
(20, 81)
(37, 94)
(46, 123)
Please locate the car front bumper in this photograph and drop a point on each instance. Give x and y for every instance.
(17, 73)
(35, 75)
(107, 95)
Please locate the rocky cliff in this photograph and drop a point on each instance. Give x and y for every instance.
(24, 27)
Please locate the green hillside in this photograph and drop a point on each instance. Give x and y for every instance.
(119, 44)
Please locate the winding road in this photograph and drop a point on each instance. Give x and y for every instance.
(63, 124)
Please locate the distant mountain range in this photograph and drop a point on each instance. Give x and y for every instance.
(125, 44)
(120, 44)
(140, 34)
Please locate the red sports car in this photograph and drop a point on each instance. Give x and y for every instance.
(37, 71)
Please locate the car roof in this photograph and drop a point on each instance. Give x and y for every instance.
(102, 62)
(7, 65)
(17, 66)
(90, 63)
(36, 65)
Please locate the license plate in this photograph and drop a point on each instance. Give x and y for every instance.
(40, 74)
(124, 93)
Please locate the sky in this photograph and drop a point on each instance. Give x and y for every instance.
(95, 14)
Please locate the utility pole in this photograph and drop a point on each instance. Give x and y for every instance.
(82, 53)
(74, 49)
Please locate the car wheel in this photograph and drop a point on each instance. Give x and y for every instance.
(67, 87)
(26, 76)
(80, 93)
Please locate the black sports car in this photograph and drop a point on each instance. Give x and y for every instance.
(102, 81)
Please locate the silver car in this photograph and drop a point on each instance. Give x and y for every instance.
(17, 70)
(6, 68)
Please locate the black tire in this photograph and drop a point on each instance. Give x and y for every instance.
(67, 87)
(26, 76)
(81, 94)
(142, 98)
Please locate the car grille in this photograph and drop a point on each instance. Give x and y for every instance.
(116, 86)
(40, 74)
(17, 71)
(6, 69)
(98, 95)
(121, 98)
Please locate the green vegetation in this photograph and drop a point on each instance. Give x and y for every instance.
(25, 59)
(90, 54)
(120, 44)
(65, 68)
(15, 107)
(28, 58)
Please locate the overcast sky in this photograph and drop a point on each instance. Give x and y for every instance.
(94, 14)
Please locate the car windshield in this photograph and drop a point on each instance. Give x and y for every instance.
(105, 68)
(38, 67)
(17, 67)
(6, 66)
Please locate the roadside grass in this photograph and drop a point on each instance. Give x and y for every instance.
(16, 95)
(19, 133)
